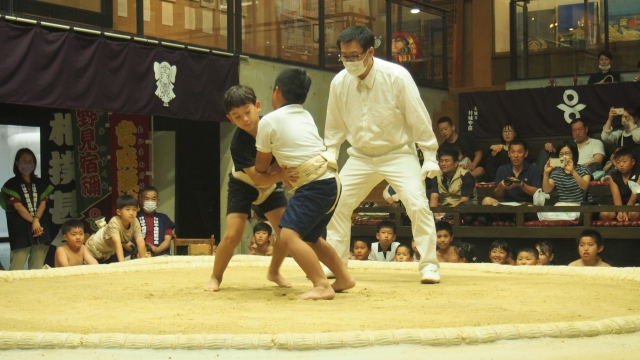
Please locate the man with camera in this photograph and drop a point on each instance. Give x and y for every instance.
(517, 181)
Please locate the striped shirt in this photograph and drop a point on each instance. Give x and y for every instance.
(567, 187)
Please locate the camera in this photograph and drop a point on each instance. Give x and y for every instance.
(509, 182)
(556, 162)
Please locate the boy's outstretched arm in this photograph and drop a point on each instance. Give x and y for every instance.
(142, 252)
(117, 243)
(87, 257)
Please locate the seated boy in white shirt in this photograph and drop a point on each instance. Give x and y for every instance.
(290, 134)
(385, 248)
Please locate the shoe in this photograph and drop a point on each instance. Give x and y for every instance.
(328, 273)
(430, 274)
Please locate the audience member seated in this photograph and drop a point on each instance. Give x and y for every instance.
(528, 256)
(385, 248)
(403, 254)
(156, 227)
(498, 154)
(590, 151)
(445, 252)
(518, 180)
(454, 185)
(499, 252)
(629, 136)
(74, 252)
(466, 253)
(116, 236)
(361, 250)
(465, 141)
(545, 253)
(610, 167)
(261, 241)
(619, 185)
(463, 160)
(605, 75)
(590, 246)
(571, 181)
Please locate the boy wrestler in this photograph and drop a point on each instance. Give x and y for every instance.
(74, 252)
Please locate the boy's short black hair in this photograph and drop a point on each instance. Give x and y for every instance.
(134, 250)
(546, 248)
(386, 224)
(262, 226)
(467, 252)
(237, 96)
(363, 241)
(606, 53)
(532, 251)
(518, 141)
(445, 119)
(592, 234)
(448, 151)
(444, 225)
(501, 244)
(362, 35)
(126, 200)
(406, 247)
(294, 83)
(622, 152)
(71, 224)
(147, 189)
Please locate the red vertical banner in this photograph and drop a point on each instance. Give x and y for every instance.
(129, 154)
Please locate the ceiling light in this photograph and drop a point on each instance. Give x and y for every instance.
(415, 11)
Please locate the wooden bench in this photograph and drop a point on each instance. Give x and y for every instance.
(195, 246)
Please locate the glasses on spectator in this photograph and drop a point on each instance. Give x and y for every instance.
(565, 154)
(507, 131)
(352, 58)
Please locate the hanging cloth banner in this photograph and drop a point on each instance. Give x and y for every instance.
(70, 71)
(93, 166)
(544, 111)
(129, 154)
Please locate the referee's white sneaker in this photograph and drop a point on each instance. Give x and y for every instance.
(328, 273)
(430, 274)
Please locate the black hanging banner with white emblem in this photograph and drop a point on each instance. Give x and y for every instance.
(70, 71)
(544, 111)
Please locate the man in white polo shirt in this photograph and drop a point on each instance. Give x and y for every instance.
(375, 105)
(590, 151)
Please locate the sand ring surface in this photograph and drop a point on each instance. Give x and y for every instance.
(160, 303)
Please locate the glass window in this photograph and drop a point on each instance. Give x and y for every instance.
(417, 43)
(624, 34)
(119, 15)
(339, 15)
(202, 23)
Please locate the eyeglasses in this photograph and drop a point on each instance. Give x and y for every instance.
(351, 58)
(565, 154)
(508, 131)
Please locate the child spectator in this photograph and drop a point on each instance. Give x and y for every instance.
(385, 248)
(619, 185)
(466, 141)
(156, 227)
(74, 252)
(403, 254)
(571, 180)
(116, 236)
(511, 259)
(590, 246)
(545, 252)
(499, 252)
(445, 252)
(148, 251)
(247, 187)
(528, 256)
(416, 253)
(463, 160)
(610, 167)
(290, 135)
(261, 239)
(361, 250)
(466, 253)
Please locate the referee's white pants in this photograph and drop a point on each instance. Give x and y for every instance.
(358, 177)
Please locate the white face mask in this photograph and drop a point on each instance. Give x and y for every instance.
(604, 67)
(150, 206)
(625, 123)
(356, 68)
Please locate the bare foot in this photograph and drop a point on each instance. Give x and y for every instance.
(343, 284)
(279, 280)
(212, 285)
(318, 293)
